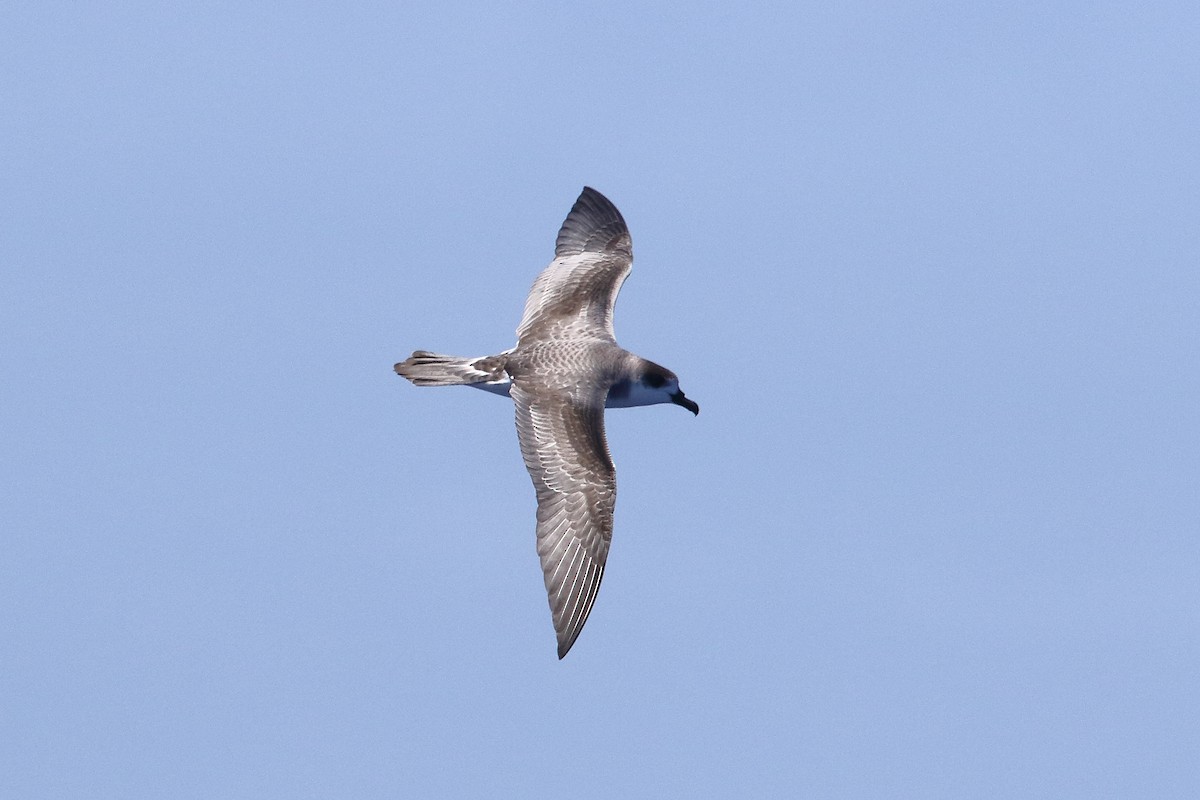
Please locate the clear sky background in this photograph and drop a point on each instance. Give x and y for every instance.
(930, 270)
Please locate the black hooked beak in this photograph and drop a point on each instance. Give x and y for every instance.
(679, 400)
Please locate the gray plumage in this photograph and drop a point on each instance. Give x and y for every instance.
(564, 371)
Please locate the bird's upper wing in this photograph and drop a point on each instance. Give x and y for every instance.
(574, 296)
(563, 444)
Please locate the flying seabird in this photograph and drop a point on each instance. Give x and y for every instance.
(564, 371)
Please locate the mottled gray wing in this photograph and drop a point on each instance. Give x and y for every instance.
(562, 442)
(574, 296)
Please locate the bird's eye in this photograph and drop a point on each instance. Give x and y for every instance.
(655, 381)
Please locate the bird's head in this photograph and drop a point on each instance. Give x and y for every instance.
(655, 384)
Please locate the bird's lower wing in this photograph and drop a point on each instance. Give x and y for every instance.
(562, 442)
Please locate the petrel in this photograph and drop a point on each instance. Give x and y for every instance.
(564, 371)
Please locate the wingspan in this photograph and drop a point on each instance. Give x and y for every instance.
(575, 294)
(563, 444)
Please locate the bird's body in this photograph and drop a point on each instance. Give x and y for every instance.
(565, 369)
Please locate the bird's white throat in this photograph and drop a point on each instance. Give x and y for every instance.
(636, 393)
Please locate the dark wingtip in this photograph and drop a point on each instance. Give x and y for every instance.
(593, 226)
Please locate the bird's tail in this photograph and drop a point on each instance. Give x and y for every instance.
(430, 369)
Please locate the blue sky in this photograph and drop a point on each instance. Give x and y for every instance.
(930, 270)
